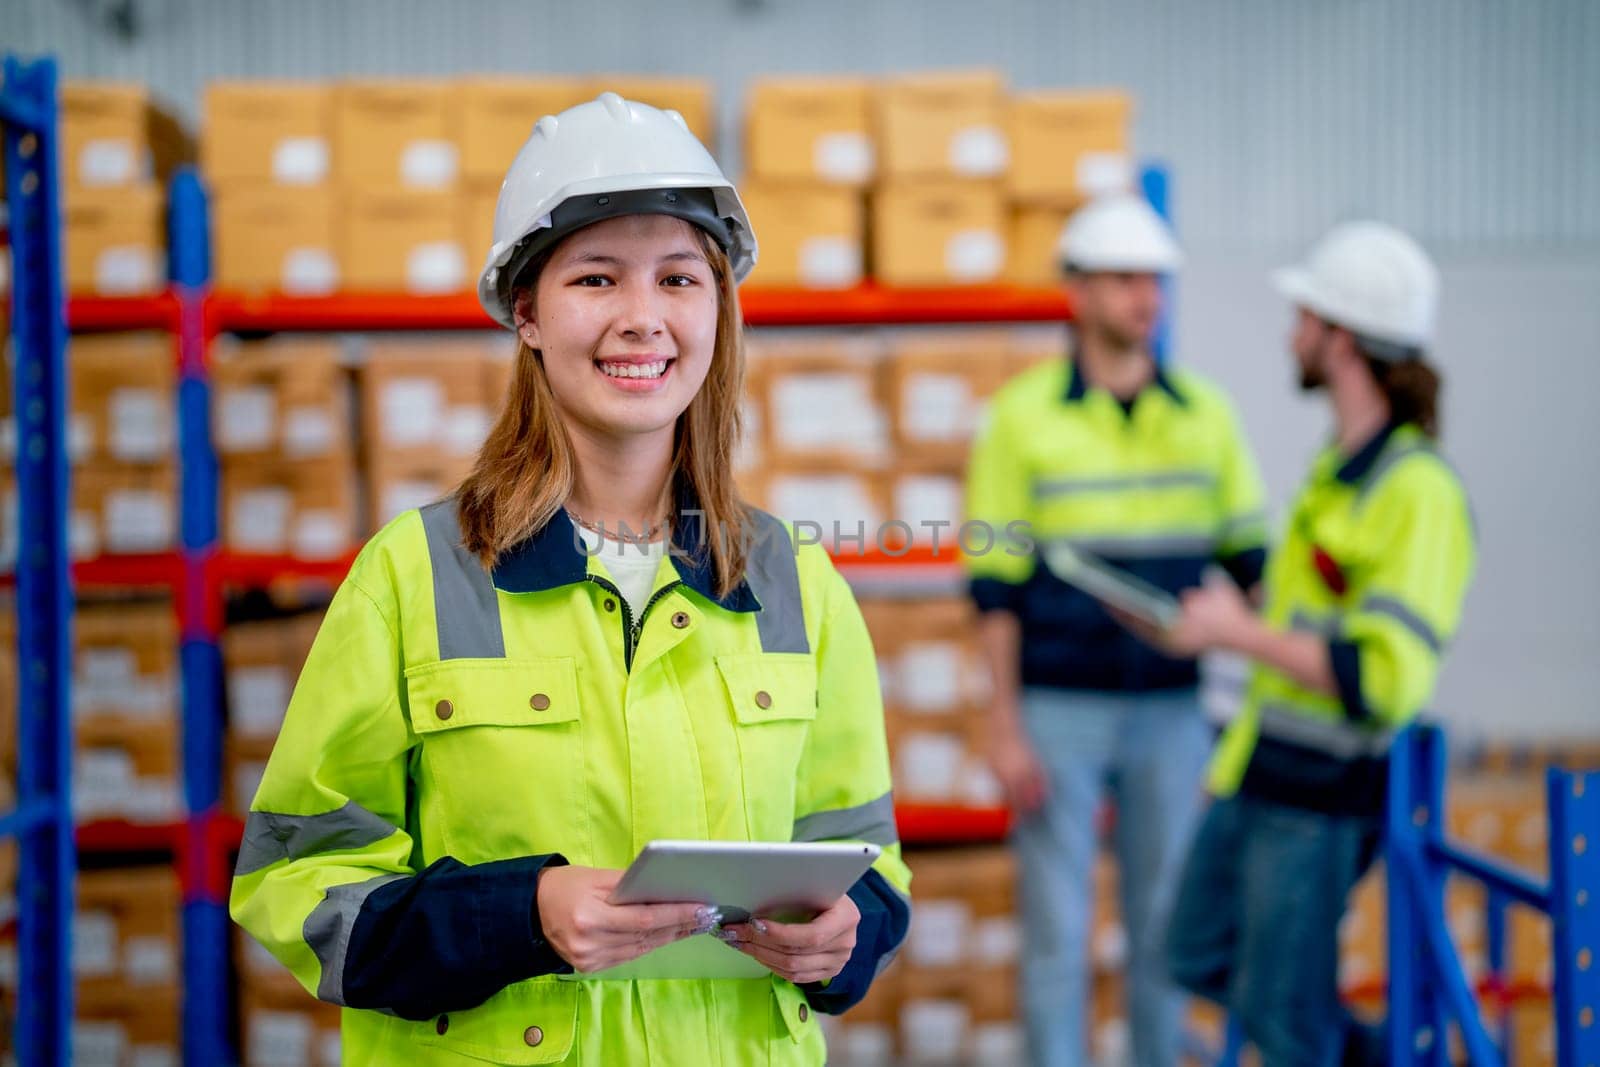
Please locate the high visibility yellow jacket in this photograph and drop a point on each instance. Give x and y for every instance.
(1163, 487)
(1377, 556)
(454, 731)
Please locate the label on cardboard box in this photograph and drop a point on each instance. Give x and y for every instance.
(300, 161)
(998, 1042)
(151, 800)
(996, 940)
(820, 410)
(149, 960)
(936, 407)
(979, 787)
(154, 1056)
(80, 436)
(83, 534)
(842, 157)
(410, 410)
(1099, 173)
(138, 520)
(405, 495)
(258, 520)
(320, 533)
(123, 270)
(929, 676)
(108, 161)
(866, 1043)
(245, 418)
(464, 429)
(974, 255)
(830, 262)
(938, 935)
(309, 271)
(94, 944)
(929, 498)
(979, 151)
(141, 424)
(246, 784)
(428, 164)
(436, 267)
(105, 668)
(279, 1038)
(309, 430)
(934, 1031)
(929, 764)
(257, 699)
(329, 1048)
(98, 1041)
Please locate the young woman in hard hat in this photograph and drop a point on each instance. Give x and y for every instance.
(592, 644)
(1363, 595)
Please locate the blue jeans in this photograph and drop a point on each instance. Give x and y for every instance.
(1148, 750)
(1256, 925)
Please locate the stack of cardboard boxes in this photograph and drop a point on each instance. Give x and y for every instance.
(125, 953)
(261, 661)
(373, 185)
(280, 1024)
(118, 149)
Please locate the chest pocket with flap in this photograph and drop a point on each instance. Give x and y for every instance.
(773, 696)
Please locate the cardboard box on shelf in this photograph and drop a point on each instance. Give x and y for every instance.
(843, 510)
(305, 508)
(1032, 258)
(128, 1027)
(498, 115)
(116, 240)
(942, 125)
(812, 236)
(281, 1029)
(244, 762)
(261, 662)
(1069, 145)
(823, 403)
(689, 97)
(125, 667)
(810, 130)
(266, 133)
(284, 398)
(937, 386)
(396, 134)
(397, 484)
(124, 387)
(123, 510)
(125, 931)
(276, 239)
(127, 774)
(114, 135)
(478, 202)
(935, 1019)
(403, 241)
(425, 401)
(937, 233)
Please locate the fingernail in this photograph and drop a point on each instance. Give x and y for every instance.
(707, 915)
(704, 927)
(730, 936)
(760, 926)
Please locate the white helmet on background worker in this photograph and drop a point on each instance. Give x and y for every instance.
(601, 159)
(1374, 281)
(1119, 232)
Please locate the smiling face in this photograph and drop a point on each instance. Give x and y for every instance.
(624, 315)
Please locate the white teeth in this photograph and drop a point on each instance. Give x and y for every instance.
(634, 370)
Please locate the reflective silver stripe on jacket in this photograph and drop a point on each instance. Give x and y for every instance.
(1306, 623)
(1143, 546)
(1391, 608)
(272, 836)
(872, 822)
(773, 575)
(1046, 488)
(1342, 740)
(466, 608)
(327, 930)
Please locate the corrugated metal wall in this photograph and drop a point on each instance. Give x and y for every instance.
(1475, 123)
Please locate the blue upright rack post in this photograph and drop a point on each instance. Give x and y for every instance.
(1428, 990)
(205, 910)
(1155, 182)
(43, 817)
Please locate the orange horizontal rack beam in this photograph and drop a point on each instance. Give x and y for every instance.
(863, 305)
(94, 313)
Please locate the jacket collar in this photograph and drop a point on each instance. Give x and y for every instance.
(555, 556)
(1078, 385)
(1355, 468)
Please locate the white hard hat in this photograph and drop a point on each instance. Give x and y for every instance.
(1374, 281)
(1119, 232)
(571, 171)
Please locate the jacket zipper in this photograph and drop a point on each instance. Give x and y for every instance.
(631, 628)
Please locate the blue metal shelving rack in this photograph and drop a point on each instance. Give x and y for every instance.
(42, 820)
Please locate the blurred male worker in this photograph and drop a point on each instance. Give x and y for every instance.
(1361, 599)
(1146, 467)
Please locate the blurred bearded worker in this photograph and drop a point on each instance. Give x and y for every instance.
(1145, 467)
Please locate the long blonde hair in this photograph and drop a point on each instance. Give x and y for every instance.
(525, 470)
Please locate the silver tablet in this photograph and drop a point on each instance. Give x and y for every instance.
(787, 881)
(1112, 585)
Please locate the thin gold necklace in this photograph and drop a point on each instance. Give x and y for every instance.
(648, 534)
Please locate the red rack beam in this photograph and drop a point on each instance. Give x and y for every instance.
(117, 835)
(939, 824)
(88, 313)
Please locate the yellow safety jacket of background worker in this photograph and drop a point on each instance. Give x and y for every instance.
(453, 731)
(1377, 557)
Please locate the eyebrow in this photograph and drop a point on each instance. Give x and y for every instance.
(595, 257)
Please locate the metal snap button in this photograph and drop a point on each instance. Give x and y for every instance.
(532, 1036)
(441, 1024)
(539, 702)
(805, 1013)
(763, 699)
(610, 605)
(680, 619)
(444, 709)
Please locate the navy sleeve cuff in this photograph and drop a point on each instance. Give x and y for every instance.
(449, 937)
(1246, 568)
(885, 918)
(991, 594)
(1345, 659)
